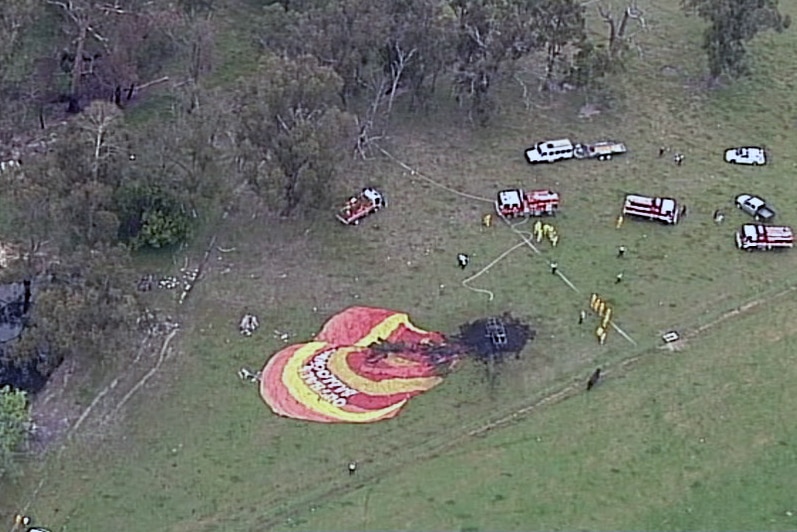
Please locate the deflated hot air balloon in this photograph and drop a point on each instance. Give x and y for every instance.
(363, 366)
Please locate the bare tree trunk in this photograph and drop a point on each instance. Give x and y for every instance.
(623, 24)
(77, 66)
(397, 70)
(553, 54)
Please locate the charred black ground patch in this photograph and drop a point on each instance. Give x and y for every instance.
(493, 338)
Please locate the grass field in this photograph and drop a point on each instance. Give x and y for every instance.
(696, 441)
(199, 451)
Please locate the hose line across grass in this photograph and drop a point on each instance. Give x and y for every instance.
(486, 268)
(525, 236)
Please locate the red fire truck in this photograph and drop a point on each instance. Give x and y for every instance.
(356, 208)
(516, 203)
(757, 236)
(664, 210)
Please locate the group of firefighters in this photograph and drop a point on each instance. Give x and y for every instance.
(541, 230)
(547, 231)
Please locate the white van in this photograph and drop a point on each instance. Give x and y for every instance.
(550, 151)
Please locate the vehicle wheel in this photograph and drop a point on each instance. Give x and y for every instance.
(608, 157)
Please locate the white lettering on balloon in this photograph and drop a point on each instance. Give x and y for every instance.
(318, 378)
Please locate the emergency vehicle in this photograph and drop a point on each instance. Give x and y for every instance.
(517, 203)
(664, 210)
(358, 207)
(550, 151)
(757, 236)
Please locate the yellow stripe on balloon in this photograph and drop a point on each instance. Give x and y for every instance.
(383, 330)
(400, 362)
(311, 400)
(339, 366)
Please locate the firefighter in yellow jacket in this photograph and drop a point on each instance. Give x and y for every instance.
(538, 231)
(553, 236)
(547, 229)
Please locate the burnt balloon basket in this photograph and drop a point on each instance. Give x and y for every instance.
(493, 338)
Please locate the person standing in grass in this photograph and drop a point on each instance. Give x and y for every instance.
(21, 521)
(538, 231)
(593, 379)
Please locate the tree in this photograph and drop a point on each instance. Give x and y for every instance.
(619, 39)
(84, 310)
(15, 424)
(114, 43)
(590, 65)
(732, 24)
(492, 35)
(189, 152)
(293, 135)
(419, 45)
(346, 35)
(150, 216)
(92, 168)
(558, 23)
(15, 16)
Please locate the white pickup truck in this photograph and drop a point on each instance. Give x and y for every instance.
(755, 207)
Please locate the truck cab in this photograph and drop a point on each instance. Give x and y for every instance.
(510, 203)
(550, 151)
(514, 203)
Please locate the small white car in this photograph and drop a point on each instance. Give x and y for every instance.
(746, 155)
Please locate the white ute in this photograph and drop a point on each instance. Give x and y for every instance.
(746, 155)
(550, 151)
(766, 237)
(664, 210)
(755, 206)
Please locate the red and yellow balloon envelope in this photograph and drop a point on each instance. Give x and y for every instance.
(340, 378)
